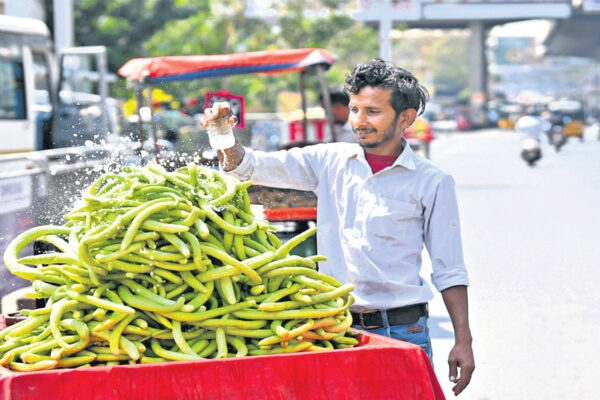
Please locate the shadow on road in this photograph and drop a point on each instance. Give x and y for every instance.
(437, 330)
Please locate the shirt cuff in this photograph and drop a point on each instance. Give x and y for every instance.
(452, 277)
(246, 168)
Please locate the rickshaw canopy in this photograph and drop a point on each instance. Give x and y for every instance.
(180, 68)
(567, 106)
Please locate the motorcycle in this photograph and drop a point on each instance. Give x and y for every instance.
(558, 137)
(531, 152)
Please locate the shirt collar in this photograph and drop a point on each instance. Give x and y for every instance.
(406, 159)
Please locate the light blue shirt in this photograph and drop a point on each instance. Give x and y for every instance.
(531, 126)
(372, 227)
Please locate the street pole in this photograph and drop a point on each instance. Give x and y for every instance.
(385, 29)
(64, 35)
(385, 12)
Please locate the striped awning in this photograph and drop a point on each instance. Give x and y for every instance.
(179, 68)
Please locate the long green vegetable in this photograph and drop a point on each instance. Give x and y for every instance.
(155, 265)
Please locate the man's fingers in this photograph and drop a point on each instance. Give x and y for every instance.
(460, 386)
(453, 373)
(465, 377)
(222, 109)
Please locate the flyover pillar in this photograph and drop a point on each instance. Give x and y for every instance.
(477, 61)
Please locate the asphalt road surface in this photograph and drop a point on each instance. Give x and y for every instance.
(531, 239)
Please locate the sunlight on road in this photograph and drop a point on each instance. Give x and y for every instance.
(530, 237)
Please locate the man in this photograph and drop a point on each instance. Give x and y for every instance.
(531, 127)
(378, 204)
(340, 111)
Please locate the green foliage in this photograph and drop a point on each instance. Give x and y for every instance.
(123, 26)
(463, 97)
(439, 60)
(143, 28)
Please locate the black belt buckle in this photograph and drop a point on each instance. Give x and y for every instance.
(362, 320)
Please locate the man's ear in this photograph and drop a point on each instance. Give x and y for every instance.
(406, 118)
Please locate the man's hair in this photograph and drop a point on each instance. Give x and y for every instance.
(336, 95)
(407, 92)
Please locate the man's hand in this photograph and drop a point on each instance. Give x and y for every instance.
(218, 110)
(461, 356)
(229, 158)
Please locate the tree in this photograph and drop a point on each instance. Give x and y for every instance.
(224, 28)
(439, 59)
(123, 26)
(141, 28)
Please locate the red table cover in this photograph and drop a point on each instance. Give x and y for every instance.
(380, 368)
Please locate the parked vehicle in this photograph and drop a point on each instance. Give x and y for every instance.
(571, 113)
(470, 117)
(146, 72)
(52, 109)
(419, 135)
(49, 100)
(508, 115)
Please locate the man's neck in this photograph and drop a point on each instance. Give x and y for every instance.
(386, 151)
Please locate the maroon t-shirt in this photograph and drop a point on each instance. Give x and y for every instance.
(378, 163)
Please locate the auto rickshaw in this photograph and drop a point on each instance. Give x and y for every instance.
(508, 115)
(571, 113)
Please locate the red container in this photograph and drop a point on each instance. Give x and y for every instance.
(290, 214)
(380, 368)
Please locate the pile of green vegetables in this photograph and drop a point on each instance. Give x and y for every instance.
(155, 266)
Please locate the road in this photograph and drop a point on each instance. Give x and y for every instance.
(531, 238)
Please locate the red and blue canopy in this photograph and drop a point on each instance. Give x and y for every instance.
(179, 68)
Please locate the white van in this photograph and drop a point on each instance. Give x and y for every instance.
(49, 100)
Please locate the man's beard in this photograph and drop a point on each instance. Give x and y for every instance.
(387, 135)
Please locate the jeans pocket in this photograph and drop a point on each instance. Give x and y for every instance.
(417, 333)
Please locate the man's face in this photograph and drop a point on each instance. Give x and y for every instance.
(374, 121)
(339, 113)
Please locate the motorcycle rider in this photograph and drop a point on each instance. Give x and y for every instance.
(556, 135)
(531, 127)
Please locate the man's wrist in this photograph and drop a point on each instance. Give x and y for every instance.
(231, 158)
(463, 338)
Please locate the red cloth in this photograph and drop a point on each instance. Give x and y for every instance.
(378, 163)
(380, 368)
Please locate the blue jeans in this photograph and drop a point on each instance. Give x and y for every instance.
(417, 333)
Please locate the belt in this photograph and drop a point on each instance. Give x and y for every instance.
(395, 316)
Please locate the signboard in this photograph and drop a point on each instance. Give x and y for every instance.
(395, 10)
(235, 102)
(513, 50)
(591, 5)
